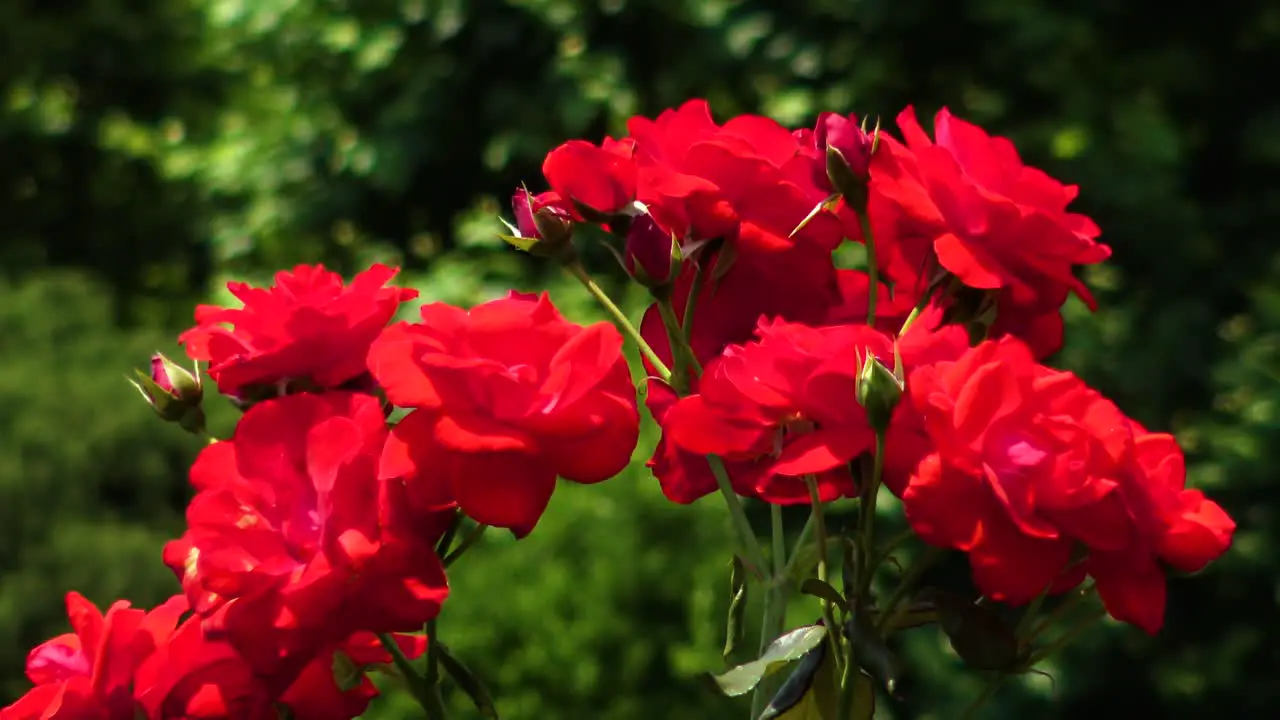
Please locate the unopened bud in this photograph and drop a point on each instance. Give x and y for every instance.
(174, 392)
(847, 148)
(879, 390)
(652, 255)
(542, 228)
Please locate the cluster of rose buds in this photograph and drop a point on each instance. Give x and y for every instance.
(319, 533)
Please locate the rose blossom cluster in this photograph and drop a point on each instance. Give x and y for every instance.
(314, 538)
(796, 364)
(313, 529)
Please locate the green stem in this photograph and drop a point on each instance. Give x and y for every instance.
(805, 533)
(682, 356)
(873, 267)
(778, 535)
(987, 693)
(828, 617)
(446, 540)
(866, 572)
(848, 678)
(746, 536)
(921, 304)
(467, 541)
(425, 691)
(867, 527)
(775, 607)
(691, 304)
(620, 318)
(433, 652)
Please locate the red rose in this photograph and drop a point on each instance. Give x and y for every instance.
(88, 674)
(1030, 463)
(966, 203)
(785, 406)
(507, 396)
(307, 327)
(746, 182)
(195, 677)
(288, 548)
(602, 179)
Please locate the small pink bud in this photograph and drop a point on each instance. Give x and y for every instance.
(544, 227)
(174, 392)
(160, 375)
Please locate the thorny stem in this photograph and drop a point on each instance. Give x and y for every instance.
(620, 318)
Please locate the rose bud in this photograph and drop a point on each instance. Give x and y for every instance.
(173, 392)
(848, 149)
(652, 256)
(879, 390)
(543, 227)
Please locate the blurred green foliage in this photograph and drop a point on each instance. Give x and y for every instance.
(150, 150)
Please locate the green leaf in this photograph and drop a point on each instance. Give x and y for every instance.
(735, 625)
(520, 243)
(823, 591)
(740, 680)
(849, 566)
(467, 681)
(810, 693)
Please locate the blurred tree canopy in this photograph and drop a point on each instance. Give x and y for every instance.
(150, 150)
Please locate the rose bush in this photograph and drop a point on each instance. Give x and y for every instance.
(371, 456)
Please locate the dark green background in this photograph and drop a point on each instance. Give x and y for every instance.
(150, 150)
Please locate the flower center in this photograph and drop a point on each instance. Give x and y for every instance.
(790, 426)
